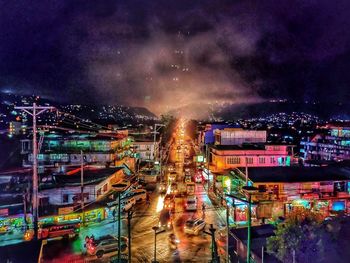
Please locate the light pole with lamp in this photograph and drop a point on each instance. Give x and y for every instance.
(249, 190)
(156, 232)
(119, 188)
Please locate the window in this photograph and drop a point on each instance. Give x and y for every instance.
(99, 192)
(65, 198)
(262, 160)
(249, 160)
(272, 160)
(105, 188)
(233, 160)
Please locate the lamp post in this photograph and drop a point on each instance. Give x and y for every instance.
(214, 252)
(228, 226)
(119, 188)
(249, 190)
(156, 232)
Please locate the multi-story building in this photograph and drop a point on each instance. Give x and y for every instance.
(146, 150)
(334, 144)
(224, 157)
(207, 135)
(64, 148)
(238, 136)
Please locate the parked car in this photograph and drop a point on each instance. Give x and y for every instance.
(194, 226)
(127, 203)
(191, 203)
(138, 194)
(105, 244)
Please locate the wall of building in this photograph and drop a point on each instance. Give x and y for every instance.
(239, 136)
(271, 156)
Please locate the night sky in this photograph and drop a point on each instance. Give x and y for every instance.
(166, 54)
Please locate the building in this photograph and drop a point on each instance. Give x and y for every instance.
(259, 234)
(65, 188)
(146, 150)
(207, 136)
(334, 144)
(238, 136)
(224, 157)
(66, 148)
(281, 189)
(16, 128)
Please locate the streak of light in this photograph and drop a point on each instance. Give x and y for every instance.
(160, 204)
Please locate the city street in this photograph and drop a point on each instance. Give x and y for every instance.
(190, 248)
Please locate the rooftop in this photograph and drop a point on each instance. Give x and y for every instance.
(298, 174)
(91, 175)
(259, 236)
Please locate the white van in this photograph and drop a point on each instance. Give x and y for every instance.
(127, 204)
(139, 194)
(191, 203)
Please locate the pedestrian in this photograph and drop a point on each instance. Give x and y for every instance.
(148, 199)
(114, 214)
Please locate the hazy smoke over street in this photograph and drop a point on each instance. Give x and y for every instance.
(169, 55)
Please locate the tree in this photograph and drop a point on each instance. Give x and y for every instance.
(311, 238)
(170, 122)
(300, 234)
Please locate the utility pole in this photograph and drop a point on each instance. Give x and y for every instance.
(34, 111)
(82, 187)
(207, 159)
(130, 214)
(228, 232)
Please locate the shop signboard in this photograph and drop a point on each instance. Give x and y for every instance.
(65, 210)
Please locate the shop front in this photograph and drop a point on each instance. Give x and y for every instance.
(296, 204)
(95, 215)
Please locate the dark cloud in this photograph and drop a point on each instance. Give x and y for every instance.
(168, 54)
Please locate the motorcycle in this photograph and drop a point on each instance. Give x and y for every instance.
(173, 241)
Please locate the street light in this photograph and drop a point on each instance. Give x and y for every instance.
(118, 188)
(214, 252)
(249, 190)
(156, 232)
(228, 224)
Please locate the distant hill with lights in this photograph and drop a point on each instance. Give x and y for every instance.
(234, 111)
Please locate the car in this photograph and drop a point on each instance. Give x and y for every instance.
(169, 203)
(188, 178)
(105, 244)
(191, 203)
(172, 176)
(127, 203)
(165, 220)
(162, 188)
(187, 162)
(139, 194)
(174, 189)
(198, 179)
(194, 226)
